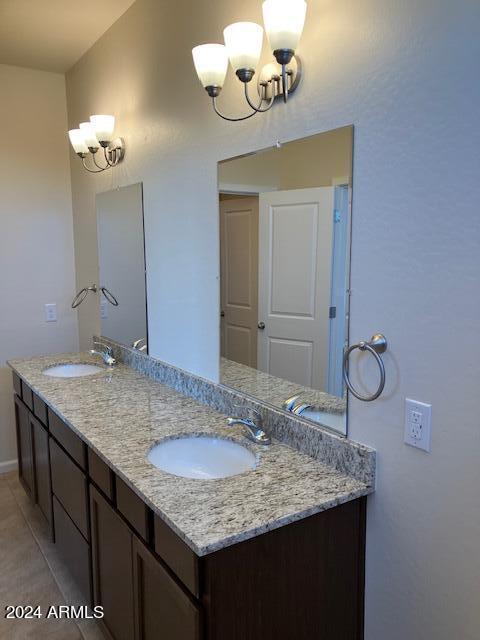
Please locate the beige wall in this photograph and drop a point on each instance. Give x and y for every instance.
(405, 75)
(36, 239)
(317, 161)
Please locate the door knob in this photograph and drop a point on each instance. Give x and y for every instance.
(261, 325)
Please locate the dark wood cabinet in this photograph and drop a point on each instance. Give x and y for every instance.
(140, 598)
(40, 409)
(101, 474)
(33, 456)
(74, 550)
(112, 567)
(69, 485)
(24, 447)
(41, 457)
(27, 395)
(303, 581)
(162, 608)
(133, 509)
(17, 384)
(72, 444)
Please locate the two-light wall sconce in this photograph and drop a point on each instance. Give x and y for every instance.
(92, 135)
(284, 21)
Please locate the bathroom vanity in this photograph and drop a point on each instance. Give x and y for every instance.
(273, 553)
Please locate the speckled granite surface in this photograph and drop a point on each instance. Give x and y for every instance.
(275, 390)
(121, 414)
(310, 438)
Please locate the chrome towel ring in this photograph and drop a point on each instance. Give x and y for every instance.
(81, 295)
(109, 296)
(376, 346)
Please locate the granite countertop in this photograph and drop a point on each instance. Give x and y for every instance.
(276, 390)
(121, 414)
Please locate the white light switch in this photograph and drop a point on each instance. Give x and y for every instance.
(418, 422)
(50, 313)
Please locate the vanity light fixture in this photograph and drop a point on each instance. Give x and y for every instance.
(284, 20)
(92, 135)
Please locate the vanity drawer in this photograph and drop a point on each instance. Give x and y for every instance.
(74, 550)
(27, 395)
(133, 509)
(69, 485)
(177, 555)
(100, 473)
(17, 384)
(40, 409)
(69, 440)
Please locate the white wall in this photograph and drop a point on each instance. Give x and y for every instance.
(36, 238)
(122, 263)
(406, 75)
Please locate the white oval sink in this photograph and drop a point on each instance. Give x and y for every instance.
(72, 370)
(203, 458)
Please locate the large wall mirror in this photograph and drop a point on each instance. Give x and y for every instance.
(285, 222)
(121, 256)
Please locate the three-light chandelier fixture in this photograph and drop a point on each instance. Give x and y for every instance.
(96, 134)
(284, 21)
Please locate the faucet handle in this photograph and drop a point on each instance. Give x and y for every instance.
(249, 413)
(104, 346)
(290, 403)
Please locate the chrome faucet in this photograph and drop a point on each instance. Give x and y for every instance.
(295, 405)
(136, 344)
(254, 427)
(105, 352)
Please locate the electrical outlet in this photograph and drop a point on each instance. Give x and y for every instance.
(418, 422)
(50, 313)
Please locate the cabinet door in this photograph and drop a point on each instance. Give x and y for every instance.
(74, 550)
(41, 457)
(70, 487)
(24, 447)
(112, 567)
(163, 611)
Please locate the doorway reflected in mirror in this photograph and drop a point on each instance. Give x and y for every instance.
(285, 251)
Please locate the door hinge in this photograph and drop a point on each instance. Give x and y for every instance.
(332, 313)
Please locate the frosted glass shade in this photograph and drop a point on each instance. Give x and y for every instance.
(244, 44)
(89, 135)
(211, 62)
(284, 20)
(103, 127)
(78, 141)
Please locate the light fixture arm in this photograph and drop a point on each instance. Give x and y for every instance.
(95, 160)
(107, 154)
(99, 170)
(263, 97)
(256, 108)
(214, 103)
(285, 83)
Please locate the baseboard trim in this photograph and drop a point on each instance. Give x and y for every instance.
(8, 465)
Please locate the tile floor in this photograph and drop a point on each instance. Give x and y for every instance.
(32, 573)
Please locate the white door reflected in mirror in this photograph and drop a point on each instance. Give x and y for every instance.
(284, 247)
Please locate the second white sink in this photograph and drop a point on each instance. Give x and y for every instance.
(203, 458)
(72, 370)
